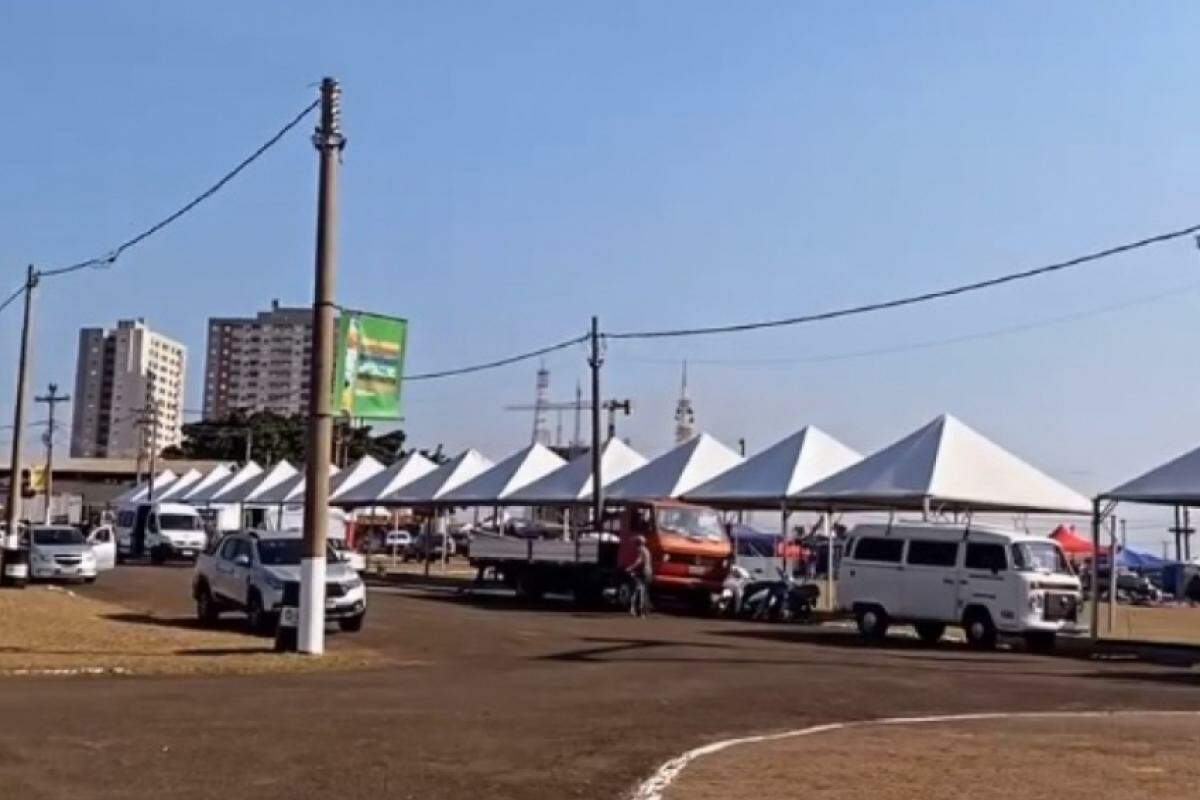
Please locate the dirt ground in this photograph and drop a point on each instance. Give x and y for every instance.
(51, 630)
(1107, 758)
(489, 697)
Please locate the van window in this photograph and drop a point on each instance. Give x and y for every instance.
(873, 549)
(986, 556)
(932, 554)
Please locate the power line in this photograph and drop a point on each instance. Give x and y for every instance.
(16, 293)
(110, 257)
(927, 344)
(914, 299)
(498, 363)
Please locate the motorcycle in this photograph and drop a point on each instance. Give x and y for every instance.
(779, 600)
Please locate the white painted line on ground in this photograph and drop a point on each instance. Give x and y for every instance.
(654, 786)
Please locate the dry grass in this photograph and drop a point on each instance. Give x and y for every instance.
(45, 630)
(1172, 624)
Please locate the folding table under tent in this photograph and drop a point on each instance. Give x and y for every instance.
(676, 472)
(176, 487)
(142, 490)
(394, 477)
(1175, 483)
(571, 484)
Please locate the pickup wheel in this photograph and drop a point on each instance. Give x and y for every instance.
(872, 622)
(930, 632)
(257, 618)
(207, 611)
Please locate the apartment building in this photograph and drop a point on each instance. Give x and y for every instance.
(125, 376)
(258, 363)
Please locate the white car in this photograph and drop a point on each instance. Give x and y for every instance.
(247, 571)
(990, 580)
(59, 552)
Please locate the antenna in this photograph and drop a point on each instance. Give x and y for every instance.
(685, 415)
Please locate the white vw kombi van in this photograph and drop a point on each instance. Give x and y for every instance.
(990, 580)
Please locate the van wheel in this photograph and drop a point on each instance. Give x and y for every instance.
(1040, 641)
(930, 632)
(872, 622)
(156, 556)
(980, 630)
(352, 624)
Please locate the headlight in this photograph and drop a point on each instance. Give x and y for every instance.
(353, 583)
(1035, 602)
(272, 581)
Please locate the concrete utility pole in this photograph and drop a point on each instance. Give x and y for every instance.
(329, 142)
(597, 483)
(52, 398)
(13, 538)
(148, 417)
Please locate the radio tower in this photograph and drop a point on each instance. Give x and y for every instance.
(540, 432)
(685, 415)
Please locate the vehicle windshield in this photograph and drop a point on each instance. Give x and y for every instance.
(286, 552)
(57, 536)
(1039, 557)
(701, 522)
(178, 522)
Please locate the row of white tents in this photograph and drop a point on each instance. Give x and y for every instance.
(943, 466)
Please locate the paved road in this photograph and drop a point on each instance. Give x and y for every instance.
(494, 700)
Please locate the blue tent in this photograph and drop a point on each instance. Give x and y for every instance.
(1132, 559)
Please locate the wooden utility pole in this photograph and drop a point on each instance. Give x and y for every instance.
(595, 361)
(52, 398)
(12, 540)
(329, 142)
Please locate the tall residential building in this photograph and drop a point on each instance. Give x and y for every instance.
(125, 377)
(258, 363)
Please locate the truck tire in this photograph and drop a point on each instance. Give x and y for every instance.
(1040, 641)
(930, 632)
(352, 624)
(872, 622)
(157, 557)
(257, 617)
(979, 628)
(207, 611)
(529, 587)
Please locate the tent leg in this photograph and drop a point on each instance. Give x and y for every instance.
(783, 509)
(1112, 574)
(828, 559)
(1095, 581)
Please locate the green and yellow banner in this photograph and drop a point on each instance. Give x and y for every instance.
(369, 365)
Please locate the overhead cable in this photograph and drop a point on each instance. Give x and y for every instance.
(913, 299)
(498, 363)
(110, 257)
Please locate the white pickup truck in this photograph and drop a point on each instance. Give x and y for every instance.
(247, 571)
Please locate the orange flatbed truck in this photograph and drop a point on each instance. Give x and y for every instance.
(689, 549)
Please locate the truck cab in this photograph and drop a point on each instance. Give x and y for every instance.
(688, 545)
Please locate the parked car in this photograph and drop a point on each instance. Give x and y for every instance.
(60, 551)
(247, 571)
(398, 541)
(163, 530)
(990, 580)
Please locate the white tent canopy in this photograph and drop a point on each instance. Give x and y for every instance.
(397, 476)
(251, 489)
(496, 484)
(218, 474)
(246, 472)
(178, 485)
(944, 465)
(677, 471)
(446, 478)
(287, 491)
(766, 479)
(142, 490)
(353, 475)
(1176, 483)
(572, 483)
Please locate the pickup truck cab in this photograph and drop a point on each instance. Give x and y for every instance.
(162, 530)
(688, 545)
(988, 579)
(246, 571)
(59, 552)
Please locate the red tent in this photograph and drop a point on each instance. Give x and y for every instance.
(1072, 543)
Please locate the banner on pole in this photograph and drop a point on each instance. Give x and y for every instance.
(369, 365)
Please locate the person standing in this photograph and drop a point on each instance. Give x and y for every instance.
(641, 572)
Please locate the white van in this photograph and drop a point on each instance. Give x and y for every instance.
(162, 530)
(989, 580)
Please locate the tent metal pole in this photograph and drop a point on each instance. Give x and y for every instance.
(1095, 581)
(786, 539)
(828, 558)
(1112, 574)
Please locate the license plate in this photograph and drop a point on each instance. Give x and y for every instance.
(697, 570)
(188, 553)
(289, 617)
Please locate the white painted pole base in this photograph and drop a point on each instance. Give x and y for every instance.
(310, 638)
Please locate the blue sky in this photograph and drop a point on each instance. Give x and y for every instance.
(515, 167)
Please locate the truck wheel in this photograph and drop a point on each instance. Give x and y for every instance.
(930, 632)
(1040, 641)
(257, 618)
(980, 630)
(352, 624)
(872, 622)
(206, 608)
(529, 588)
